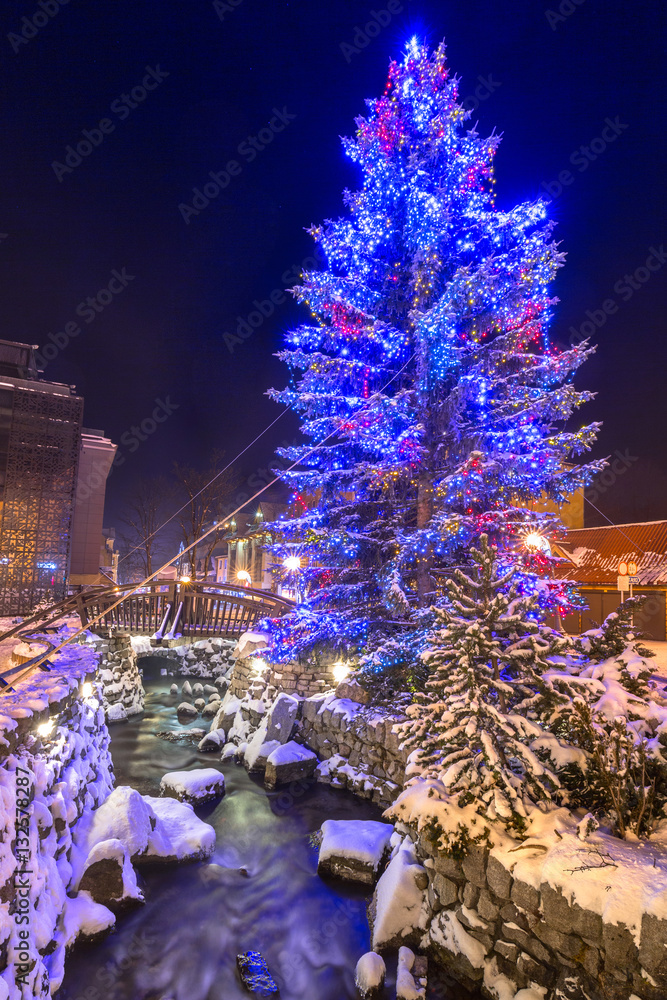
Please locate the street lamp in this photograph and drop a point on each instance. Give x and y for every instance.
(292, 563)
(535, 542)
(244, 576)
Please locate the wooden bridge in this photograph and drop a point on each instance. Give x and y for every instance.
(165, 610)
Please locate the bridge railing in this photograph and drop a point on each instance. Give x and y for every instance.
(167, 608)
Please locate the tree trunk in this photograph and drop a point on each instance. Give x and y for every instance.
(424, 515)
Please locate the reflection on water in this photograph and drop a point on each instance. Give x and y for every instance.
(260, 890)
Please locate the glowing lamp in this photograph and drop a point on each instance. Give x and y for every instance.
(292, 563)
(341, 670)
(87, 689)
(259, 664)
(184, 579)
(244, 576)
(535, 541)
(46, 728)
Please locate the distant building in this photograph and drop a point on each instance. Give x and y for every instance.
(91, 561)
(41, 439)
(593, 556)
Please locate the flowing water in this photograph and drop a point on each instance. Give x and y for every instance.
(259, 891)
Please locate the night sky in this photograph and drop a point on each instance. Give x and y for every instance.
(271, 86)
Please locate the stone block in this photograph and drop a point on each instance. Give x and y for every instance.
(570, 917)
(525, 896)
(510, 952)
(565, 944)
(474, 866)
(534, 971)
(499, 879)
(653, 946)
(445, 889)
(486, 907)
(470, 895)
(619, 947)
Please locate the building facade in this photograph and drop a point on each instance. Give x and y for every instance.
(40, 430)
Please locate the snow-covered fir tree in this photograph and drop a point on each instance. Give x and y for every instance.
(472, 729)
(433, 406)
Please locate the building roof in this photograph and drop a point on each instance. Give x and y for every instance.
(594, 553)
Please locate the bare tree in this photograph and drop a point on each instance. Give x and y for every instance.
(143, 515)
(203, 494)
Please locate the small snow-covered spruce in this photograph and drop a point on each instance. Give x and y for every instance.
(471, 729)
(620, 636)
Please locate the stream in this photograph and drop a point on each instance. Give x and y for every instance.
(259, 891)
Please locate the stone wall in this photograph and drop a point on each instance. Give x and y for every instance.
(252, 673)
(206, 658)
(491, 929)
(55, 767)
(122, 690)
(358, 747)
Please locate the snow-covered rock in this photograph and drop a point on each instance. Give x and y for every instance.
(369, 975)
(353, 849)
(186, 710)
(125, 816)
(226, 713)
(210, 689)
(210, 710)
(214, 740)
(257, 753)
(410, 976)
(200, 704)
(117, 713)
(186, 690)
(109, 877)
(290, 762)
(84, 919)
(249, 643)
(173, 689)
(200, 785)
(179, 834)
(398, 906)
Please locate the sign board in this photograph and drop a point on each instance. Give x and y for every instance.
(632, 569)
(623, 582)
(622, 569)
(634, 580)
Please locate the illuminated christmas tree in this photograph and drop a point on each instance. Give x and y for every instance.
(433, 406)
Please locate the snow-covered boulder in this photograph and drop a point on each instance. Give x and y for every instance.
(210, 710)
(214, 740)
(117, 713)
(186, 711)
(200, 704)
(249, 643)
(290, 762)
(198, 689)
(109, 877)
(85, 920)
(186, 690)
(226, 714)
(399, 906)
(410, 975)
(369, 975)
(179, 834)
(200, 785)
(353, 849)
(257, 753)
(173, 689)
(210, 689)
(125, 816)
(280, 718)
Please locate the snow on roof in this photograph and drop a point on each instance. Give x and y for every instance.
(594, 553)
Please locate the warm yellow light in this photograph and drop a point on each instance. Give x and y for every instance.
(258, 664)
(87, 689)
(185, 579)
(341, 670)
(46, 728)
(244, 575)
(292, 563)
(534, 540)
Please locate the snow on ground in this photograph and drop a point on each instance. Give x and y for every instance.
(659, 661)
(196, 786)
(365, 841)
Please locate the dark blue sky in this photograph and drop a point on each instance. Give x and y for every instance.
(575, 88)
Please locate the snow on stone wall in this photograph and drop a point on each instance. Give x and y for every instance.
(55, 768)
(123, 692)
